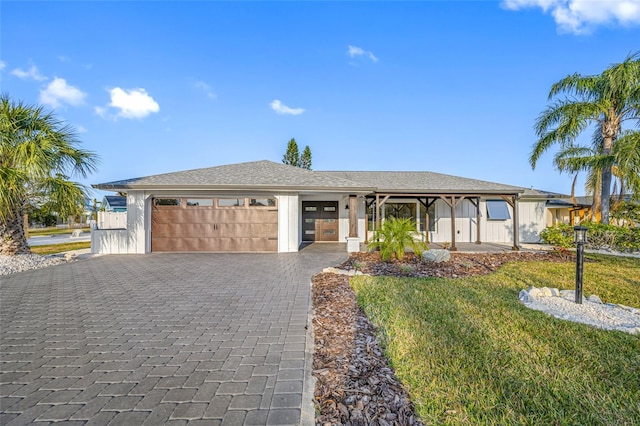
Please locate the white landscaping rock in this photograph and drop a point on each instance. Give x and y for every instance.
(545, 292)
(436, 255)
(350, 272)
(594, 299)
(592, 311)
(526, 297)
(25, 262)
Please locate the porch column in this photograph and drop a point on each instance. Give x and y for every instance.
(377, 213)
(353, 216)
(452, 205)
(478, 221)
(516, 224)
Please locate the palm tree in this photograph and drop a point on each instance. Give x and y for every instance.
(394, 236)
(606, 100)
(38, 153)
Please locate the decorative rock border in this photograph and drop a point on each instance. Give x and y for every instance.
(560, 304)
(350, 272)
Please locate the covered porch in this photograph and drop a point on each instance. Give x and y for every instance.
(425, 214)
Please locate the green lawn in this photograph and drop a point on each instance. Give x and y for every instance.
(470, 353)
(54, 231)
(59, 248)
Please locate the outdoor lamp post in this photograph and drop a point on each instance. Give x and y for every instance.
(580, 237)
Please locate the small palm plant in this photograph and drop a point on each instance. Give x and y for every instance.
(394, 236)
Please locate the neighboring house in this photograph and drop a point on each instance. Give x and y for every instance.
(569, 210)
(267, 206)
(114, 203)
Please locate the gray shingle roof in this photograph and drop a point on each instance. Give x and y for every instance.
(569, 202)
(116, 200)
(254, 175)
(423, 182)
(270, 175)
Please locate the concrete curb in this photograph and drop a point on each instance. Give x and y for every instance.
(308, 410)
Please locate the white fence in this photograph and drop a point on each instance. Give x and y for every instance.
(112, 220)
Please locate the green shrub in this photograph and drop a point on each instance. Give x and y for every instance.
(394, 236)
(560, 235)
(599, 236)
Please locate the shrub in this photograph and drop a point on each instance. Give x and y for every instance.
(394, 236)
(599, 236)
(560, 235)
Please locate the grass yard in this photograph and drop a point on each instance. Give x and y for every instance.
(59, 248)
(469, 352)
(36, 232)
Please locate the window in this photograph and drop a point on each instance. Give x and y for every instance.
(199, 202)
(262, 202)
(230, 202)
(497, 210)
(310, 209)
(329, 208)
(432, 218)
(400, 210)
(167, 201)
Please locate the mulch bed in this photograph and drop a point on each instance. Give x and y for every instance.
(355, 385)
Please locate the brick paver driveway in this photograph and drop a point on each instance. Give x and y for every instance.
(210, 338)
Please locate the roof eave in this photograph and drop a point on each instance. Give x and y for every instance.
(449, 192)
(276, 188)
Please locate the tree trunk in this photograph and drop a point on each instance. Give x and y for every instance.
(12, 238)
(605, 192)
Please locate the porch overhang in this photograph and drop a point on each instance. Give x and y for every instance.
(452, 199)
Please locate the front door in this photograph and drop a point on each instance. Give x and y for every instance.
(319, 221)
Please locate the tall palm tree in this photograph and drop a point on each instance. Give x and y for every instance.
(38, 153)
(605, 100)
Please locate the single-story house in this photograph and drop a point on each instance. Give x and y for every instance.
(268, 206)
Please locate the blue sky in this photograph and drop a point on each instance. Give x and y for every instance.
(450, 87)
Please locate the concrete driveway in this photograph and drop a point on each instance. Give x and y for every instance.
(161, 338)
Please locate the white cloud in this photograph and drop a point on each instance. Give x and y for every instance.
(354, 51)
(201, 85)
(58, 92)
(281, 108)
(32, 73)
(2, 65)
(130, 103)
(581, 16)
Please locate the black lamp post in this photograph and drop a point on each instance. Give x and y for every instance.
(580, 237)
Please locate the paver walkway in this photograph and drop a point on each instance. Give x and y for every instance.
(160, 338)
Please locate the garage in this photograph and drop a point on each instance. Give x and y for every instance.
(224, 224)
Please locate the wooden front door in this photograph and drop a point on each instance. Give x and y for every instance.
(319, 221)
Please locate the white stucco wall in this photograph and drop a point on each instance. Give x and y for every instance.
(288, 222)
(133, 239)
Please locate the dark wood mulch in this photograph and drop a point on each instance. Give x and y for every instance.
(355, 385)
(460, 264)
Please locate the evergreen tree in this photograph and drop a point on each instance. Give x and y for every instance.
(292, 156)
(305, 159)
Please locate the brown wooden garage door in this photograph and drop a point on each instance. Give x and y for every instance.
(214, 224)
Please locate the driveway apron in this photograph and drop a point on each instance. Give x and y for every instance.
(161, 338)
